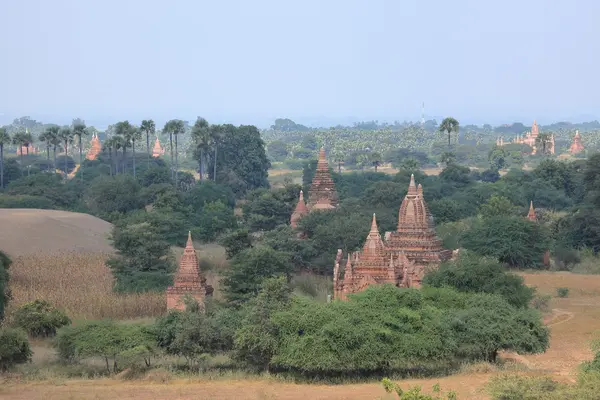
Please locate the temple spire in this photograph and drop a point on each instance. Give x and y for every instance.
(374, 224)
(373, 245)
(412, 188)
(299, 211)
(420, 190)
(189, 243)
(531, 214)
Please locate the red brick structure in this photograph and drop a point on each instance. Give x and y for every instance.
(576, 146)
(531, 214)
(95, 148)
(188, 281)
(300, 211)
(157, 150)
(530, 139)
(401, 258)
(322, 194)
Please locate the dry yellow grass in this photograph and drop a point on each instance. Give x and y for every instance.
(79, 283)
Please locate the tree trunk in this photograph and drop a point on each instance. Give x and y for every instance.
(124, 169)
(215, 165)
(107, 365)
(66, 167)
(110, 161)
(133, 150)
(1, 166)
(148, 147)
(80, 158)
(54, 157)
(171, 149)
(201, 164)
(449, 140)
(21, 157)
(48, 156)
(176, 161)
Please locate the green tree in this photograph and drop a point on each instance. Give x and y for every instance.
(515, 241)
(474, 274)
(255, 342)
(201, 137)
(39, 318)
(79, 130)
(497, 206)
(4, 139)
(14, 348)
(249, 268)
(148, 127)
(47, 139)
(65, 134)
(22, 139)
(448, 126)
(5, 262)
(108, 197)
(174, 128)
(143, 261)
(236, 242)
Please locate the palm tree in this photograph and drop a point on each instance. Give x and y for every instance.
(22, 139)
(47, 138)
(65, 134)
(375, 160)
(178, 129)
(126, 131)
(80, 131)
(53, 133)
(215, 140)
(169, 129)
(448, 126)
(132, 135)
(542, 139)
(149, 128)
(201, 137)
(4, 139)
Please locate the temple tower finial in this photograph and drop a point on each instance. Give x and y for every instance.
(531, 214)
(412, 188)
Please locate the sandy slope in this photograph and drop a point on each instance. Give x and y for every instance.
(27, 231)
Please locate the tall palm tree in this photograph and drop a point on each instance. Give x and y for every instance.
(201, 132)
(22, 139)
(542, 140)
(448, 126)
(53, 133)
(178, 129)
(169, 129)
(149, 128)
(215, 140)
(79, 130)
(131, 136)
(65, 134)
(4, 139)
(126, 131)
(47, 139)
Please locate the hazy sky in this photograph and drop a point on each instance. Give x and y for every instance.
(254, 60)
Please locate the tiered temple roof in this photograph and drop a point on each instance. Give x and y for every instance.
(530, 139)
(300, 211)
(531, 214)
(400, 259)
(188, 281)
(157, 150)
(576, 146)
(322, 193)
(95, 148)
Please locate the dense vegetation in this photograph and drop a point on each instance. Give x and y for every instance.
(470, 308)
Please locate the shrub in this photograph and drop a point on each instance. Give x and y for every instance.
(14, 348)
(541, 302)
(415, 393)
(25, 201)
(40, 319)
(562, 292)
(5, 262)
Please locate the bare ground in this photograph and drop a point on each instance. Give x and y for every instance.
(30, 231)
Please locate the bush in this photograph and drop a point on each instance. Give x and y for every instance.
(5, 262)
(562, 292)
(40, 319)
(541, 302)
(25, 201)
(14, 348)
(415, 393)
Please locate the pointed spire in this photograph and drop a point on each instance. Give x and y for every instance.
(412, 189)
(373, 245)
(189, 243)
(420, 190)
(374, 224)
(531, 214)
(349, 262)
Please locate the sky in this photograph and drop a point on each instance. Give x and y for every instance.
(318, 62)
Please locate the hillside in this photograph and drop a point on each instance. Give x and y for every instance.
(27, 231)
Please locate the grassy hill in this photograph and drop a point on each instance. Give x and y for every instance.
(29, 231)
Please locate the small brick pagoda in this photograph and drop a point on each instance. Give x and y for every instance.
(322, 194)
(300, 211)
(401, 258)
(188, 281)
(531, 214)
(576, 146)
(157, 150)
(95, 148)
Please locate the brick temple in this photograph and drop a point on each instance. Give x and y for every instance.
(530, 139)
(188, 281)
(157, 150)
(321, 195)
(576, 146)
(95, 148)
(401, 257)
